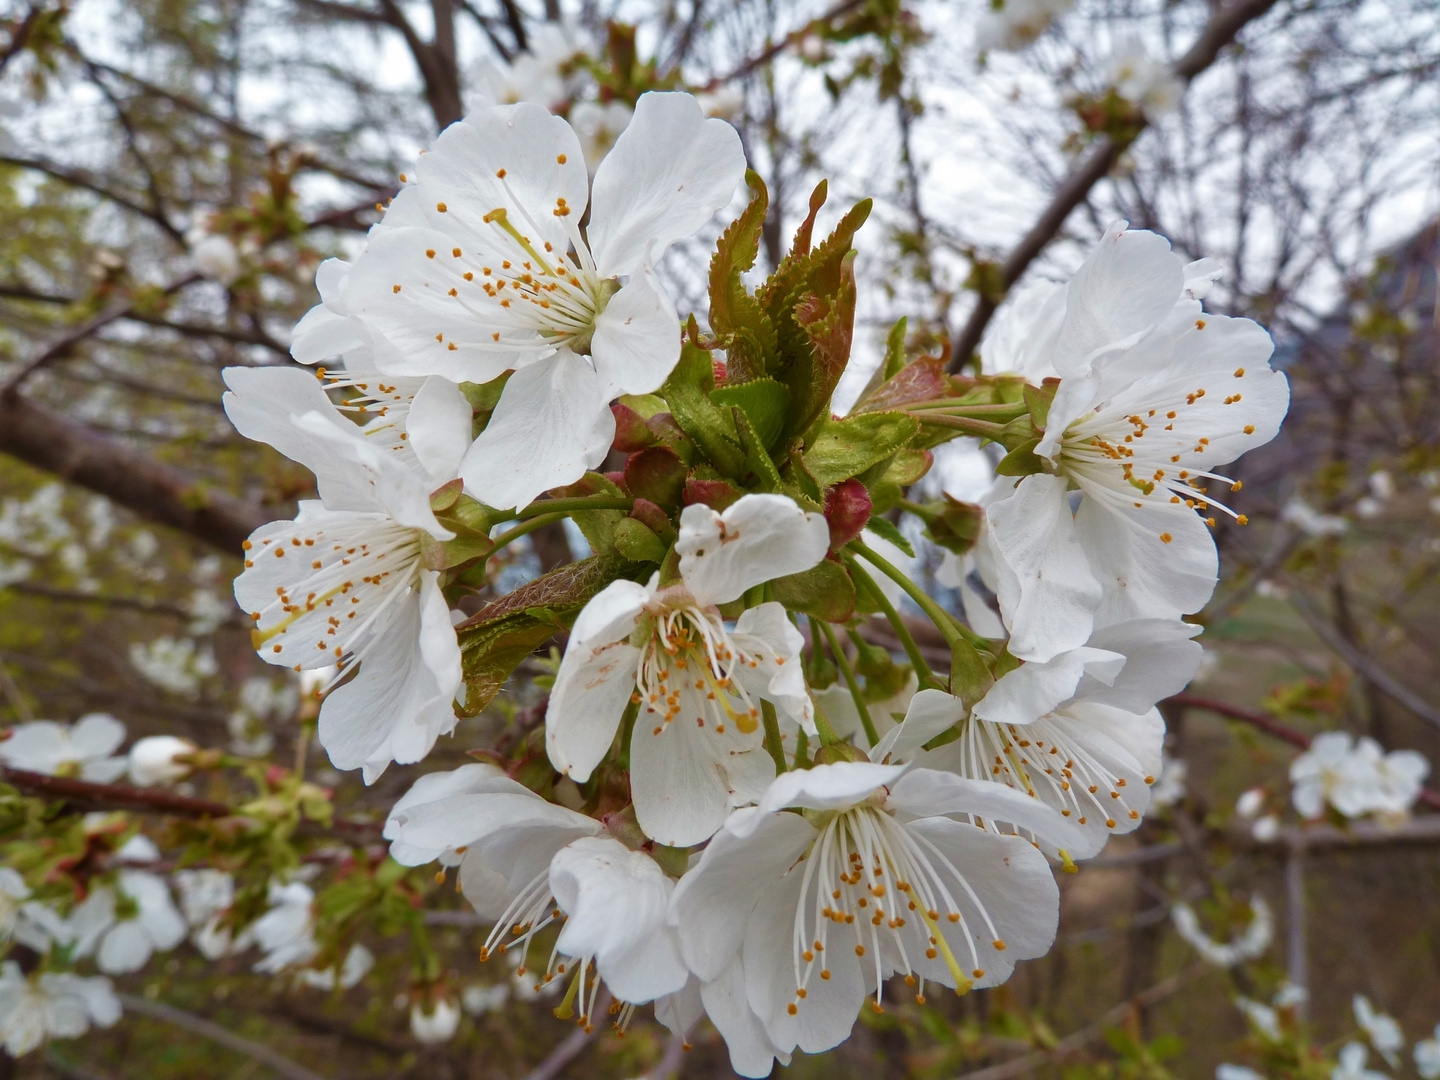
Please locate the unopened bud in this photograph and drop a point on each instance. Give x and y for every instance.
(847, 512)
(439, 1024)
(160, 759)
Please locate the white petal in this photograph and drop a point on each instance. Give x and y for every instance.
(756, 539)
(931, 712)
(829, 787)
(671, 169)
(712, 902)
(125, 948)
(1144, 574)
(439, 428)
(1047, 591)
(553, 422)
(1015, 885)
(595, 680)
(96, 735)
(1033, 689)
(616, 902)
(1021, 337)
(825, 1017)
(766, 635)
(260, 404)
(1160, 659)
(1127, 285)
(321, 335)
(678, 780)
(637, 338)
(926, 793)
(752, 1052)
(682, 1010)
(402, 698)
(432, 787)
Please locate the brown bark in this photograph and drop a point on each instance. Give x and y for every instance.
(41, 437)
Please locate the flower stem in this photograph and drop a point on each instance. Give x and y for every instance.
(772, 735)
(843, 663)
(521, 530)
(922, 669)
(575, 506)
(1009, 410)
(984, 428)
(944, 622)
(822, 725)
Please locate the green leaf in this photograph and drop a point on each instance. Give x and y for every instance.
(846, 448)
(922, 380)
(895, 349)
(597, 526)
(637, 542)
(882, 527)
(740, 324)
(1038, 399)
(824, 591)
(763, 401)
(766, 475)
(656, 474)
(708, 426)
(505, 632)
(1022, 461)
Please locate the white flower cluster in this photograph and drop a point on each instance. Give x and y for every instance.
(737, 857)
(1251, 943)
(1356, 777)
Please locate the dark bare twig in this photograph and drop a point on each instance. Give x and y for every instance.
(573, 1046)
(1220, 32)
(1273, 728)
(72, 451)
(208, 1029)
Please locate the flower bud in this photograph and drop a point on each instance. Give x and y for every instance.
(439, 1024)
(160, 759)
(215, 257)
(847, 511)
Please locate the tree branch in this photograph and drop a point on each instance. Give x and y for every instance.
(1273, 728)
(1075, 189)
(208, 1029)
(47, 440)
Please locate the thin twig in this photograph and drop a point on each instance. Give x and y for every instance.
(1075, 189)
(764, 57)
(1383, 680)
(1077, 1039)
(198, 1025)
(573, 1046)
(1272, 727)
(67, 341)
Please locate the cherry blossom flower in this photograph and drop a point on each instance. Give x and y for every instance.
(205, 895)
(1427, 1056)
(286, 932)
(1145, 82)
(359, 584)
(123, 923)
(528, 864)
(1383, 1031)
(1013, 24)
(599, 126)
(437, 1023)
(1154, 394)
(51, 1005)
(1079, 732)
(214, 255)
(696, 749)
(1352, 1064)
(479, 268)
(1251, 943)
(84, 750)
(885, 871)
